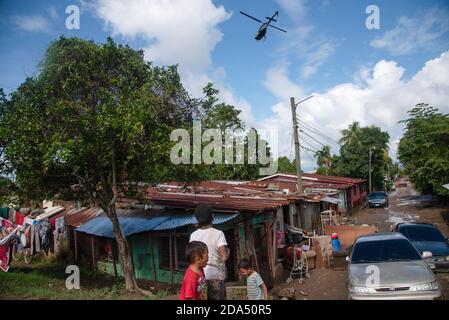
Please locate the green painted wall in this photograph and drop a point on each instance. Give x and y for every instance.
(141, 253)
(163, 275)
(108, 267)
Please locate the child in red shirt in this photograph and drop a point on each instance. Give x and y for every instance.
(194, 283)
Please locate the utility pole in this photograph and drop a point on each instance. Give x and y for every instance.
(369, 169)
(297, 145)
(297, 152)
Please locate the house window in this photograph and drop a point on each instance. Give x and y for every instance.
(179, 243)
(164, 252)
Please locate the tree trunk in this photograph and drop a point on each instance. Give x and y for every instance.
(110, 195)
(124, 252)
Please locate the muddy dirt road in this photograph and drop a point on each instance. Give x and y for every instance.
(405, 204)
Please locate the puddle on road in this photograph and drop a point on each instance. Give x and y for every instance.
(397, 217)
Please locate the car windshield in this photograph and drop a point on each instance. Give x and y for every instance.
(377, 195)
(423, 233)
(384, 251)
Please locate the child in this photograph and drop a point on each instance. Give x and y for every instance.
(256, 288)
(194, 281)
(215, 240)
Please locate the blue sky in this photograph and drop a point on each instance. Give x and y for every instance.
(372, 76)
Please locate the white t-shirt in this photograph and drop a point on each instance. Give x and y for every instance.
(213, 238)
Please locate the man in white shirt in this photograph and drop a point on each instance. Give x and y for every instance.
(215, 240)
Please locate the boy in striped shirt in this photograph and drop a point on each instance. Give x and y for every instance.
(255, 287)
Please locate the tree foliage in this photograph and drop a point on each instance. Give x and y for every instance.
(95, 119)
(424, 151)
(285, 165)
(226, 118)
(324, 160)
(353, 160)
(96, 122)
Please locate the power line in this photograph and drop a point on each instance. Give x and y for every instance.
(310, 157)
(310, 144)
(308, 148)
(319, 130)
(332, 145)
(318, 133)
(321, 135)
(311, 137)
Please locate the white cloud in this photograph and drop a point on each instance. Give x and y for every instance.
(31, 23)
(53, 13)
(302, 42)
(381, 97)
(279, 84)
(316, 55)
(177, 31)
(296, 9)
(411, 35)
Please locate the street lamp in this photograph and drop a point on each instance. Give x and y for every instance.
(296, 104)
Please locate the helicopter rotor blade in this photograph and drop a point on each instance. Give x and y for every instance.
(277, 28)
(250, 17)
(271, 19)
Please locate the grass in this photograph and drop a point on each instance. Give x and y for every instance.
(45, 280)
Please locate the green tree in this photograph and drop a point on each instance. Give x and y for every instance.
(285, 165)
(3, 105)
(350, 134)
(324, 159)
(96, 119)
(353, 160)
(424, 151)
(226, 118)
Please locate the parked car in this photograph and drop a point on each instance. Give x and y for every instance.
(401, 271)
(378, 199)
(427, 237)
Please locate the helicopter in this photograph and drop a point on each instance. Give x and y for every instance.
(261, 33)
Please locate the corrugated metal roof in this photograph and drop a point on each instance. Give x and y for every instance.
(330, 200)
(314, 178)
(78, 217)
(102, 226)
(252, 203)
(177, 221)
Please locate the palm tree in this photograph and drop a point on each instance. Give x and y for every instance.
(324, 158)
(348, 135)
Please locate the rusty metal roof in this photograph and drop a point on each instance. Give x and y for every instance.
(222, 201)
(77, 217)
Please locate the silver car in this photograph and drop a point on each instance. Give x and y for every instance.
(387, 266)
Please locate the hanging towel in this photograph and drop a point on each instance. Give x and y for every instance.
(19, 218)
(4, 212)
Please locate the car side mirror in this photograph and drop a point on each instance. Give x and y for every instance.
(427, 254)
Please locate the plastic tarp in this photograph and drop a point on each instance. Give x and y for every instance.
(102, 226)
(330, 200)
